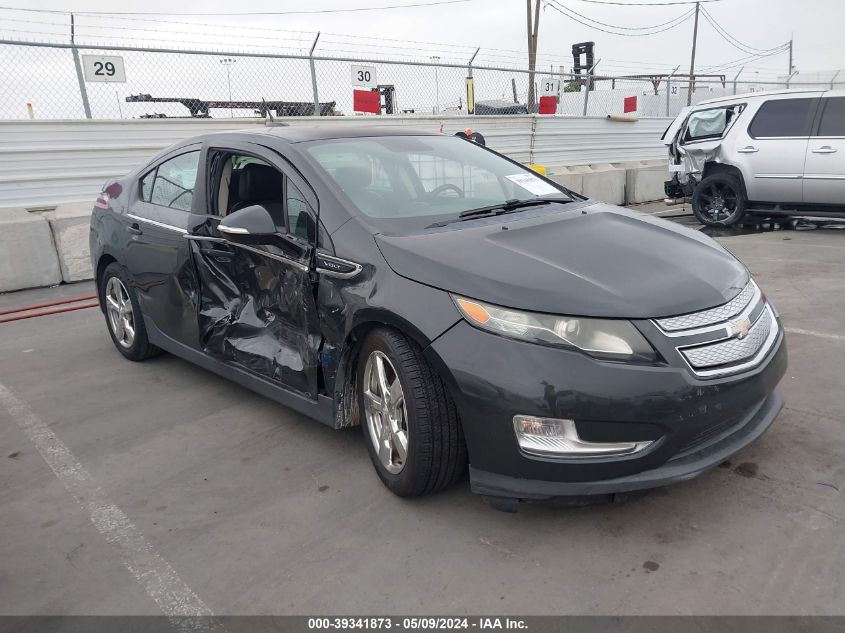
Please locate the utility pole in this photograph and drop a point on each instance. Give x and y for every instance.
(692, 60)
(532, 49)
(789, 72)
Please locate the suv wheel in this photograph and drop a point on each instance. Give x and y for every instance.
(409, 420)
(123, 316)
(719, 200)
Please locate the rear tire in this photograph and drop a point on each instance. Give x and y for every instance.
(719, 200)
(434, 454)
(123, 315)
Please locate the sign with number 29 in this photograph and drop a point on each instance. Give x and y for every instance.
(105, 68)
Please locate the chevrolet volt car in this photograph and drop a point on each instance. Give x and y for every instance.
(777, 153)
(468, 313)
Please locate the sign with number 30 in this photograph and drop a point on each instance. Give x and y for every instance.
(364, 76)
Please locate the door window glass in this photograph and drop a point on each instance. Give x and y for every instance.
(833, 117)
(147, 185)
(300, 218)
(174, 182)
(783, 117)
(711, 123)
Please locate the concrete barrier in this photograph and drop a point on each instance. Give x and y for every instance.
(605, 182)
(70, 226)
(644, 180)
(628, 182)
(27, 253)
(571, 177)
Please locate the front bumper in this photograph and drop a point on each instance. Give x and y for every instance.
(694, 423)
(680, 469)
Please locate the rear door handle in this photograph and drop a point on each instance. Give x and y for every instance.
(824, 149)
(748, 149)
(134, 229)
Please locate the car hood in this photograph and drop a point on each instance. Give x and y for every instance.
(589, 260)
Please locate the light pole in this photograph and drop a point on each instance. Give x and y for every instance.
(436, 59)
(227, 62)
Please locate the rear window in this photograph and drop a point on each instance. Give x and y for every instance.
(783, 117)
(833, 117)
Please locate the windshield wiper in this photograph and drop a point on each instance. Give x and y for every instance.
(508, 206)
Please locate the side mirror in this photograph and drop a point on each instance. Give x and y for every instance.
(254, 226)
(250, 225)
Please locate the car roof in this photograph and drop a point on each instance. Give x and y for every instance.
(302, 133)
(761, 95)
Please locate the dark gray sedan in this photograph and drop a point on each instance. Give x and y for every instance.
(464, 310)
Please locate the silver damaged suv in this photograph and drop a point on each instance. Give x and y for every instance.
(770, 153)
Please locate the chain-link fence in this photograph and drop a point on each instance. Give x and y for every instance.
(67, 81)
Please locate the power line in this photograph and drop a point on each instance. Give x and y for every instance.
(629, 28)
(730, 39)
(646, 4)
(235, 13)
(567, 12)
(741, 61)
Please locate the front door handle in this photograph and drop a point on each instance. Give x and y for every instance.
(824, 149)
(748, 149)
(134, 229)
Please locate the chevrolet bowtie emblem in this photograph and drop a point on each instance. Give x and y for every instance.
(739, 329)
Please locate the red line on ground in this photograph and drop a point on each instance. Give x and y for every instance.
(20, 317)
(47, 305)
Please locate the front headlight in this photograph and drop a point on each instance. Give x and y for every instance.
(604, 338)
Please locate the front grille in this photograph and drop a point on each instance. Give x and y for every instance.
(733, 350)
(705, 318)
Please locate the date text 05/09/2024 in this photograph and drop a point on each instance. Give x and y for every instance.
(417, 623)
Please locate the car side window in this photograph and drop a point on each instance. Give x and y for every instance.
(711, 123)
(300, 215)
(174, 182)
(833, 117)
(147, 185)
(780, 118)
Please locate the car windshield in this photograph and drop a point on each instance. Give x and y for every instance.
(421, 178)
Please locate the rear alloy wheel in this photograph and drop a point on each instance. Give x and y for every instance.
(719, 200)
(119, 312)
(409, 420)
(123, 316)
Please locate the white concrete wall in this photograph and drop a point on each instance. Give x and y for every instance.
(51, 171)
(46, 163)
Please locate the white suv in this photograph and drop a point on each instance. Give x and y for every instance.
(772, 153)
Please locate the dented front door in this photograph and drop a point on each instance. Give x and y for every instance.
(257, 304)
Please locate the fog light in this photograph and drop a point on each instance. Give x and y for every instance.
(550, 437)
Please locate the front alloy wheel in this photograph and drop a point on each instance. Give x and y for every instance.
(410, 422)
(384, 409)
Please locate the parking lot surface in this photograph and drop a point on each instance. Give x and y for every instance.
(258, 510)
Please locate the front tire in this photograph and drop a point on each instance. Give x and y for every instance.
(123, 315)
(719, 200)
(410, 422)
